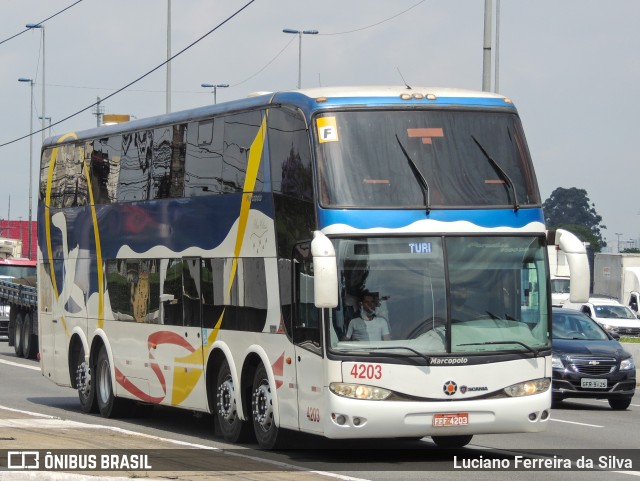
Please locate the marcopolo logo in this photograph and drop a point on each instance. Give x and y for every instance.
(442, 361)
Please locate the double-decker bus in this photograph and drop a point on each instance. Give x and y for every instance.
(362, 262)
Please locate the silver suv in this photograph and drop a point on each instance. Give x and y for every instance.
(611, 315)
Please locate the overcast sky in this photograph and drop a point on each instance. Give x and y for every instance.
(572, 68)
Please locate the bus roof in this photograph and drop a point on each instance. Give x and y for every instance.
(308, 100)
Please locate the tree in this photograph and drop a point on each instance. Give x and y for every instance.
(571, 209)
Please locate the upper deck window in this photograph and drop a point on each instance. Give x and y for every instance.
(411, 159)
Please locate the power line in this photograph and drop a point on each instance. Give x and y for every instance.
(40, 22)
(377, 23)
(237, 12)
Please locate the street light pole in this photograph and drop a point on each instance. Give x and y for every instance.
(168, 92)
(300, 33)
(30, 81)
(215, 88)
(48, 119)
(40, 26)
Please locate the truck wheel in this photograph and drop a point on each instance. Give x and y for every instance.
(17, 335)
(233, 429)
(268, 435)
(29, 340)
(110, 406)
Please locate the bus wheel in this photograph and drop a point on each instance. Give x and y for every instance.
(109, 405)
(233, 429)
(29, 347)
(268, 435)
(452, 441)
(84, 383)
(17, 335)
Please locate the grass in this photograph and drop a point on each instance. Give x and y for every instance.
(635, 340)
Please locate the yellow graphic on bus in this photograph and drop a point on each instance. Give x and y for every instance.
(327, 129)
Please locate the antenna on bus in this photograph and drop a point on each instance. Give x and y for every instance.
(403, 80)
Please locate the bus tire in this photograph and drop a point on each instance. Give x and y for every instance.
(233, 429)
(29, 340)
(85, 383)
(109, 405)
(452, 441)
(268, 435)
(17, 335)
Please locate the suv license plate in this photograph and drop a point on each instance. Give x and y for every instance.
(450, 419)
(593, 383)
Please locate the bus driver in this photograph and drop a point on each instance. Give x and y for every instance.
(368, 326)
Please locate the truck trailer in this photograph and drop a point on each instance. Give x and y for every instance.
(618, 276)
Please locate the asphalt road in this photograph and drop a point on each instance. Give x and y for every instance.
(36, 415)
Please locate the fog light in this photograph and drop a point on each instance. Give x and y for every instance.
(356, 421)
(532, 416)
(341, 420)
(545, 415)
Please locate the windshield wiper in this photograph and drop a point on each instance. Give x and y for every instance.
(418, 175)
(490, 343)
(418, 353)
(500, 172)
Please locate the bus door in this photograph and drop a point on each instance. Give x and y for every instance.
(307, 336)
(179, 344)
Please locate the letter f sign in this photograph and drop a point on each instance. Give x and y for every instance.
(327, 129)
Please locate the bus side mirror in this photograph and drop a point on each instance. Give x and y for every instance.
(325, 272)
(576, 255)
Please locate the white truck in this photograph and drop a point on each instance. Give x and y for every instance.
(618, 276)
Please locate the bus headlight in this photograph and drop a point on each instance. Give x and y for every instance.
(536, 386)
(359, 391)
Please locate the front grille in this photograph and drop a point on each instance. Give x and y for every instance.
(593, 366)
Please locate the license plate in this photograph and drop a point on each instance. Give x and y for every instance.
(450, 419)
(593, 383)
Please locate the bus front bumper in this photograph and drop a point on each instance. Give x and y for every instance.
(353, 418)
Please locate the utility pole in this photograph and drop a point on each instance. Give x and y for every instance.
(486, 52)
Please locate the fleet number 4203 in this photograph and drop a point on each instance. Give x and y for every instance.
(367, 371)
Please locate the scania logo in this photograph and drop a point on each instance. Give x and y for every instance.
(450, 388)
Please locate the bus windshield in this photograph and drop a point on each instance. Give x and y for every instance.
(423, 158)
(437, 295)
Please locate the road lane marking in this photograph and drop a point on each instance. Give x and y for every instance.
(579, 424)
(58, 423)
(9, 363)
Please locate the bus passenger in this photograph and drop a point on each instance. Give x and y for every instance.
(368, 326)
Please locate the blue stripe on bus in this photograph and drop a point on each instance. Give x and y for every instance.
(394, 219)
(310, 104)
(177, 224)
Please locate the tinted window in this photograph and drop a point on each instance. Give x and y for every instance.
(104, 161)
(133, 289)
(168, 161)
(135, 172)
(240, 132)
(467, 159)
(203, 174)
(289, 154)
